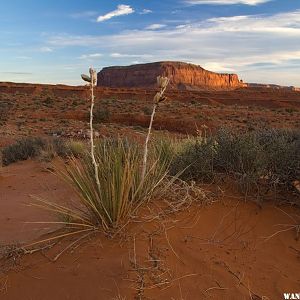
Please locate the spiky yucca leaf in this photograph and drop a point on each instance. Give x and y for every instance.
(121, 189)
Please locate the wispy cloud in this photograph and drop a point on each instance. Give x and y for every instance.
(227, 2)
(217, 67)
(120, 11)
(46, 49)
(16, 73)
(83, 14)
(155, 26)
(123, 55)
(243, 44)
(288, 23)
(145, 11)
(90, 56)
(23, 57)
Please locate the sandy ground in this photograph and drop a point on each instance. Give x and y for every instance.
(18, 183)
(215, 251)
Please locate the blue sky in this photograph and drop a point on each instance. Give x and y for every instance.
(54, 41)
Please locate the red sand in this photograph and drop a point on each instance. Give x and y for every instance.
(206, 252)
(18, 183)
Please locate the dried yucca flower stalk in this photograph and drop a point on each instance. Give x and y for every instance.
(162, 83)
(92, 79)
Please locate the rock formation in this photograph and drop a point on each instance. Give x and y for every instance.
(182, 76)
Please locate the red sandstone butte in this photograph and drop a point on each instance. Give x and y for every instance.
(183, 76)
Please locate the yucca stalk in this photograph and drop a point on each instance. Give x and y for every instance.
(162, 83)
(92, 79)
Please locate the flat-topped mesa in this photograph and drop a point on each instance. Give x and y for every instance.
(182, 76)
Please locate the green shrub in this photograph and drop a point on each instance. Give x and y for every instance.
(147, 111)
(242, 156)
(165, 148)
(4, 111)
(48, 102)
(195, 159)
(267, 156)
(59, 147)
(282, 152)
(54, 147)
(291, 110)
(240, 153)
(32, 147)
(23, 149)
(101, 114)
(76, 148)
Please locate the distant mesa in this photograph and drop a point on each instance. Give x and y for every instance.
(273, 86)
(183, 76)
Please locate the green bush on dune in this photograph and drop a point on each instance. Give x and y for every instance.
(22, 149)
(271, 155)
(45, 149)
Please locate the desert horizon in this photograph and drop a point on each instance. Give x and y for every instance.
(253, 84)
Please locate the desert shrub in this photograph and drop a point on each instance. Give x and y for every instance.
(282, 153)
(48, 102)
(195, 159)
(35, 147)
(242, 156)
(267, 156)
(291, 110)
(147, 111)
(60, 147)
(5, 108)
(22, 149)
(54, 147)
(47, 153)
(121, 189)
(165, 148)
(101, 114)
(76, 148)
(239, 153)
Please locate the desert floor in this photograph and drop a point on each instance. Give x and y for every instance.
(220, 248)
(217, 247)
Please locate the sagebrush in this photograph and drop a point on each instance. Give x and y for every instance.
(269, 156)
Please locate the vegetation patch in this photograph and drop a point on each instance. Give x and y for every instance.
(269, 156)
(37, 147)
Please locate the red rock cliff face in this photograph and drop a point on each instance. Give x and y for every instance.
(182, 76)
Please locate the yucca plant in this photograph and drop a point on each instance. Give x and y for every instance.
(92, 80)
(121, 189)
(113, 179)
(159, 97)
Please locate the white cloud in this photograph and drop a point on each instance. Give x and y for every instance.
(145, 11)
(90, 56)
(227, 2)
(122, 55)
(288, 23)
(155, 26)
(256, 45)
(217, 67)
(46, 49)
(120, 11)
